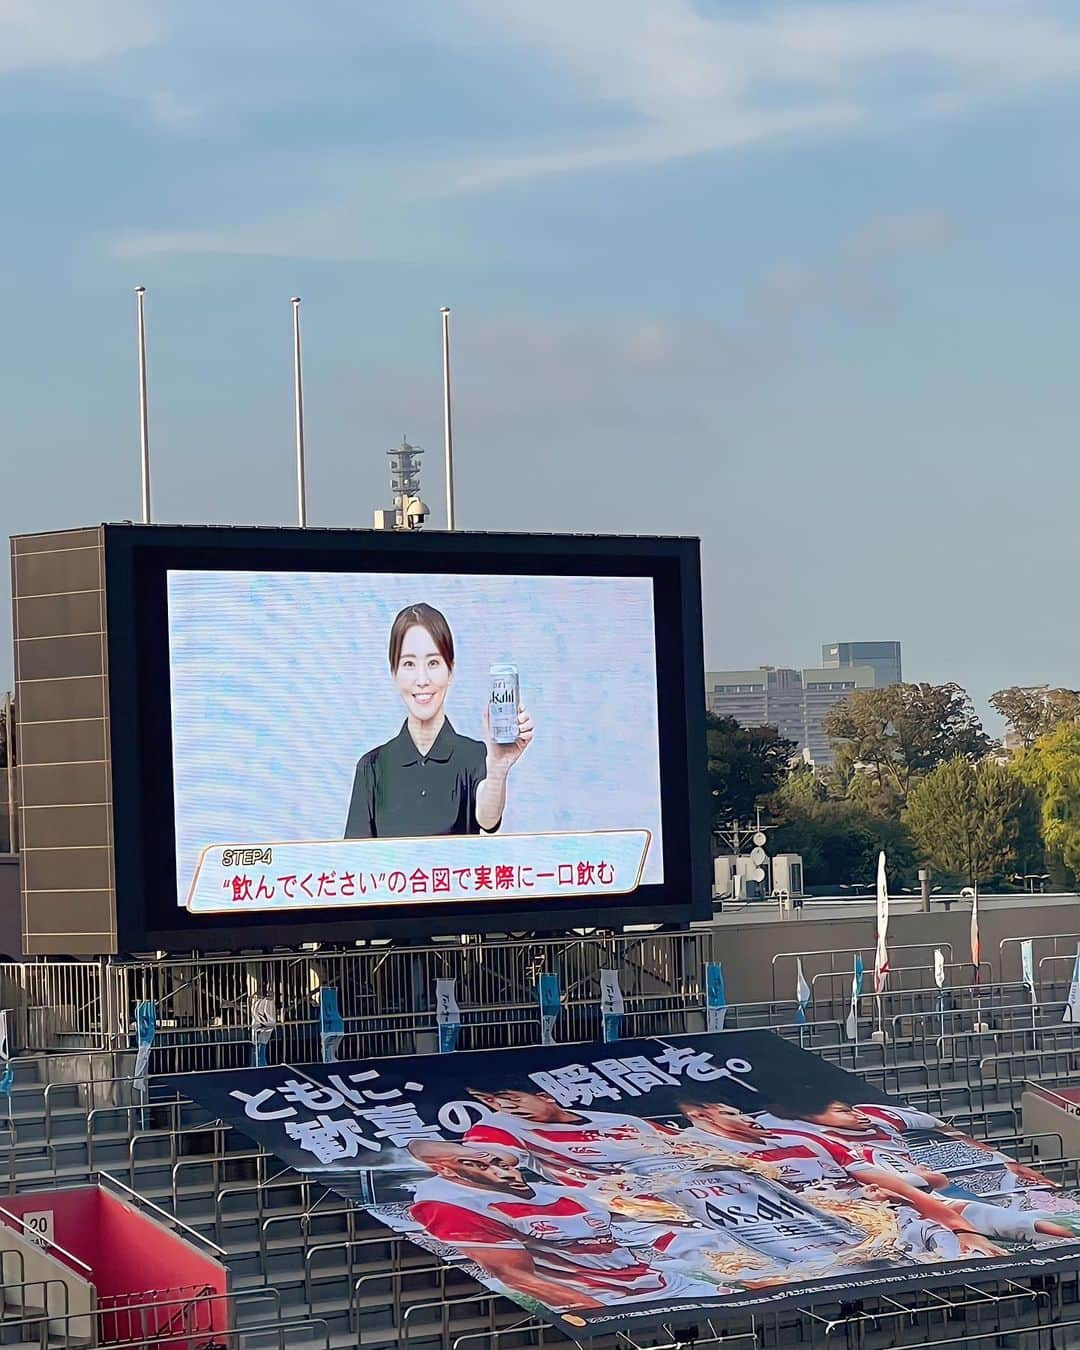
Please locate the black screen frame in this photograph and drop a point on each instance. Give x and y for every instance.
(137, 559)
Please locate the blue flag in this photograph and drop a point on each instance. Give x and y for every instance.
(856, 994)
(145, 1031)
(715, 997)
(7, 1073)
(331, 1023)
(550, 1002)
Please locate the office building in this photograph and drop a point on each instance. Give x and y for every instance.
(884, 657)
(796, 701)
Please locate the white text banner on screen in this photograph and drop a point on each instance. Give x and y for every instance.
(438, 869)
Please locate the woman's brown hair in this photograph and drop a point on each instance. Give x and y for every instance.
(421, 616)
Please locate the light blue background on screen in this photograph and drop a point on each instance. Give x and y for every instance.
(280, 683)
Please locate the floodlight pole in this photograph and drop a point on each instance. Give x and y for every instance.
(298, 399)
(144, 415)
(448, 438)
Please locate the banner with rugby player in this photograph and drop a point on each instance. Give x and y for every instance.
(604, 1187)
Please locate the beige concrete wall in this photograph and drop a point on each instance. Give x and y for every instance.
(1042, 1117)
(747, 945)
(67, 1297)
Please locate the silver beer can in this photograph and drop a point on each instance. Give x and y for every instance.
(764, 1217)
(503, 704)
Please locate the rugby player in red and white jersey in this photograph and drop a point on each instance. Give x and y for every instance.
(875, 1135)
(539, 1240)
(569, 1146)
(805, 1159)
(880, 1156)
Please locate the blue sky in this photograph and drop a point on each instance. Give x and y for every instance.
(799, 278)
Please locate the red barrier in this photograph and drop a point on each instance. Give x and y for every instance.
(133, 1260)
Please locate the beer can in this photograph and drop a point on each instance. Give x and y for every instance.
(766, 1218)
(503, 704)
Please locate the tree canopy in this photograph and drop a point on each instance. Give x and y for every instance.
(1052, 768)
(744, 765)
(1032, 712)
(839, 840)
(971, 821)
(902, 732)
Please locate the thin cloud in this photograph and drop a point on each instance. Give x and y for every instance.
(690, 83)
(638, 82)
(854, 277)
(40, 35)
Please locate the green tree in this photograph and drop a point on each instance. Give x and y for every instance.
(1051, 767)
(902, 732)
(838, 840)
(745, 764)
(970, 821)
(1032, 712)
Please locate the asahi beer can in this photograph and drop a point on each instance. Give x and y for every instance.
(503, 704)
(765, 1218)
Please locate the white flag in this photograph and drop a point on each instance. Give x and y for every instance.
(447, 1010)
(1072, 1005)
(263, 1022)
(802, 991)
(881, 956)
(1027, 966)
(939, 968)
(611, 995)
(976, 945)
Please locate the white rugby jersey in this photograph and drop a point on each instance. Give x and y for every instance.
(804, 1158)
(880, 1143)
(568, 1236)
(597, 1144)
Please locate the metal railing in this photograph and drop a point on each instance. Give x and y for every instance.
(386, 994)
(971, 1077)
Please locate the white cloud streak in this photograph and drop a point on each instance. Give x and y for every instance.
(40, 35)
(635, 83)
(686, 80)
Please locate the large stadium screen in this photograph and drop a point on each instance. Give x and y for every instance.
(396, 733)
(357, 738)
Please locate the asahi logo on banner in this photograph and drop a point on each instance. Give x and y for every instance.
(656, 1177)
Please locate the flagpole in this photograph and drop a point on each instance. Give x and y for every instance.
(298, 401)
(448, 437)
(976, 954)
(881, 953)
(144, 412)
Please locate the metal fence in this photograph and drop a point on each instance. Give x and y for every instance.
(386, 994)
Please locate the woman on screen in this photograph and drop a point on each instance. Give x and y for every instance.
(428, 779)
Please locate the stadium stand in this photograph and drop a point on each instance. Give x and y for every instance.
(307, 1269)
